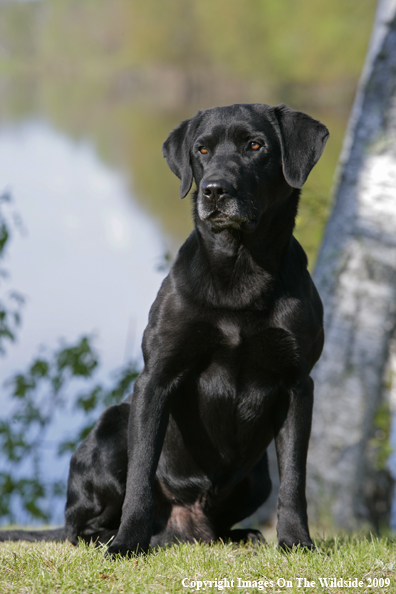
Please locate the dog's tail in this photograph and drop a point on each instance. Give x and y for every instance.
(55, 534)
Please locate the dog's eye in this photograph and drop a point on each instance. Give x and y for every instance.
(203, 150)
(255, 146)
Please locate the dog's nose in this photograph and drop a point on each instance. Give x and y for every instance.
(215, 188)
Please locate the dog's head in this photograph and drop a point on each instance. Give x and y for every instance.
(243, 158)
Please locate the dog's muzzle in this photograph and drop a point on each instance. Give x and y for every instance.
(218, 205)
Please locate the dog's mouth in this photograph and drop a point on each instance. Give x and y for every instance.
(219, 221)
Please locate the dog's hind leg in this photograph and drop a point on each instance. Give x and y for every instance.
(96, 485)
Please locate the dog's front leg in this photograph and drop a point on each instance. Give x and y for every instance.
(148, 420)
(293, 431)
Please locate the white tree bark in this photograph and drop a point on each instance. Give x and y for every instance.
(356, 277)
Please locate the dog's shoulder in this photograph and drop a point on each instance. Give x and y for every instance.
(173, 296)
(294, 278)
(297, 305)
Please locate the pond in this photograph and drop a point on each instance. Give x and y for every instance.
(89, 90)
(86, 256)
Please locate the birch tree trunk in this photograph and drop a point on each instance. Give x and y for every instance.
(356, 277)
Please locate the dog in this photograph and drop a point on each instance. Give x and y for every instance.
(232, 336)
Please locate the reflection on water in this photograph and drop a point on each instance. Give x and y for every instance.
(89, 260)
(123, 74)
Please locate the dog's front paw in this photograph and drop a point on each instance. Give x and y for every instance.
(244, 535)
(126, 549)
(293, 534)
(288, 542)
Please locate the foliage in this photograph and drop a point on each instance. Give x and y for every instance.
(10, 302)
(277, 39)
(380, 443)
(39, 394)
(124, 73)
(48, 567)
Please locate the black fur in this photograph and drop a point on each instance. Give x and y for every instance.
(231, 340)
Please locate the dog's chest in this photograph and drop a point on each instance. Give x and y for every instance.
(253, 343)
(244, 354)
(231, 333)
(235, 389)
(224, 413)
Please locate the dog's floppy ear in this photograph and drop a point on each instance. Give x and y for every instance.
(302, 141)
(176, 150)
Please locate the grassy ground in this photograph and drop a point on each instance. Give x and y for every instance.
(48, 567)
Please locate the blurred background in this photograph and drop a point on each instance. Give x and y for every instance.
(89, 90)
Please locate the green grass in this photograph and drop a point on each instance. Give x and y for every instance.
(48, 567)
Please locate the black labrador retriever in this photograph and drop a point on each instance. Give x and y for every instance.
(231, 340)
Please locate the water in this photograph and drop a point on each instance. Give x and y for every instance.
(86, 259)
